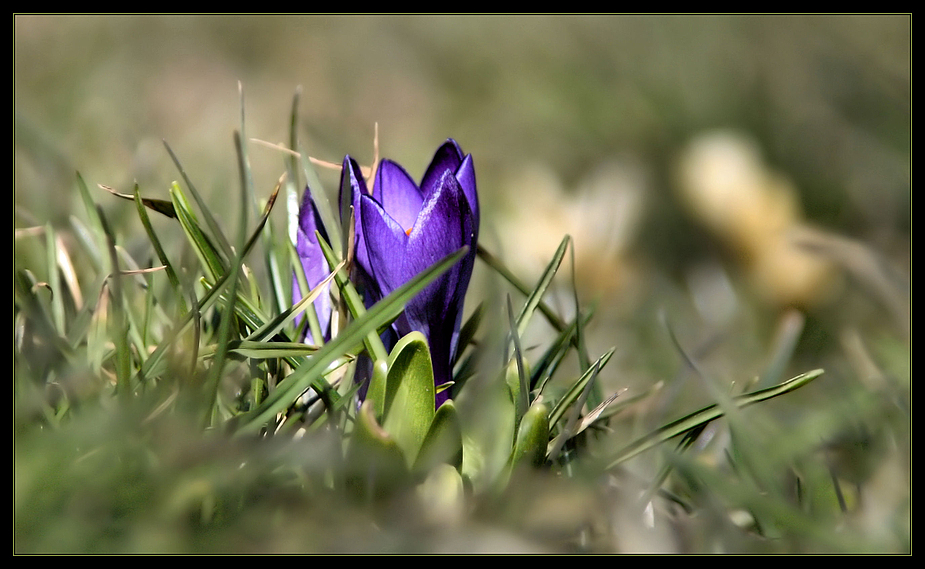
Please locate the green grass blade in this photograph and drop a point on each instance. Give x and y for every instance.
(163, 207)
(499, 267)
(268, 350)
(322, 204)
(159, 250)
(707, 414)
(228, 319)
(119, 330)
(570, 429)
(88, 242)
(294, 133)
(278, 285)
(96, 233)
(199, 307)
(223, 244)
(468, 330)
(54, 279)
(535, 296)
(546, 366)
(208, 255)
(577, 388)
(584, 362)
(523, 390)
(249, 195)
(35, 308)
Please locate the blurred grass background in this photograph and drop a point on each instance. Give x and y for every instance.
(623, 131)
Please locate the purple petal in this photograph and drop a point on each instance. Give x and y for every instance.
(466, 177)
(313, 262)
(448, 158)
(385, 242)
(397, 193)
(351, 170)
(444, 226)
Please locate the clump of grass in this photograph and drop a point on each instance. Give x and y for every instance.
(172, 409)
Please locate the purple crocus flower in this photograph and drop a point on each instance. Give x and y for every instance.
(402, 229)
(313, 264)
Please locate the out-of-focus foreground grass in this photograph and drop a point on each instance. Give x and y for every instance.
(741, 183)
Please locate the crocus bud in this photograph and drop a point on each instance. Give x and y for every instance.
(403, 228)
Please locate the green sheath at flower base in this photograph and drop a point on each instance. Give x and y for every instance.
(532, 436)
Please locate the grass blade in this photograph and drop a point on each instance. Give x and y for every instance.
(209, 256)
(96, 232)
(159, 249)
(707, 414)
(119, 322)
(210, 220)
(54, 279)
(322, 204)
(523, 391)
(577, 388)
(496, 264)
(534, 298)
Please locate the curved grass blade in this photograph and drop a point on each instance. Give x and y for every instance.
(584, 362)
(94, 236)
(210, 220)
(577, 388)
(496, 264)
(209, 256)
(595, 414)
(118, 321)
(252, 316)
(534, 298)
(247, 176)
(294, 131)
(523, 391)
(164, 207)
(54, 279)
(24, 286)
(266, 350)
(277, 282)
(322, 204)
(549, 361)
(551, 316)
(88, 243)
(159, 249)
(707, 414)
(570, 431)
(228, 318)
